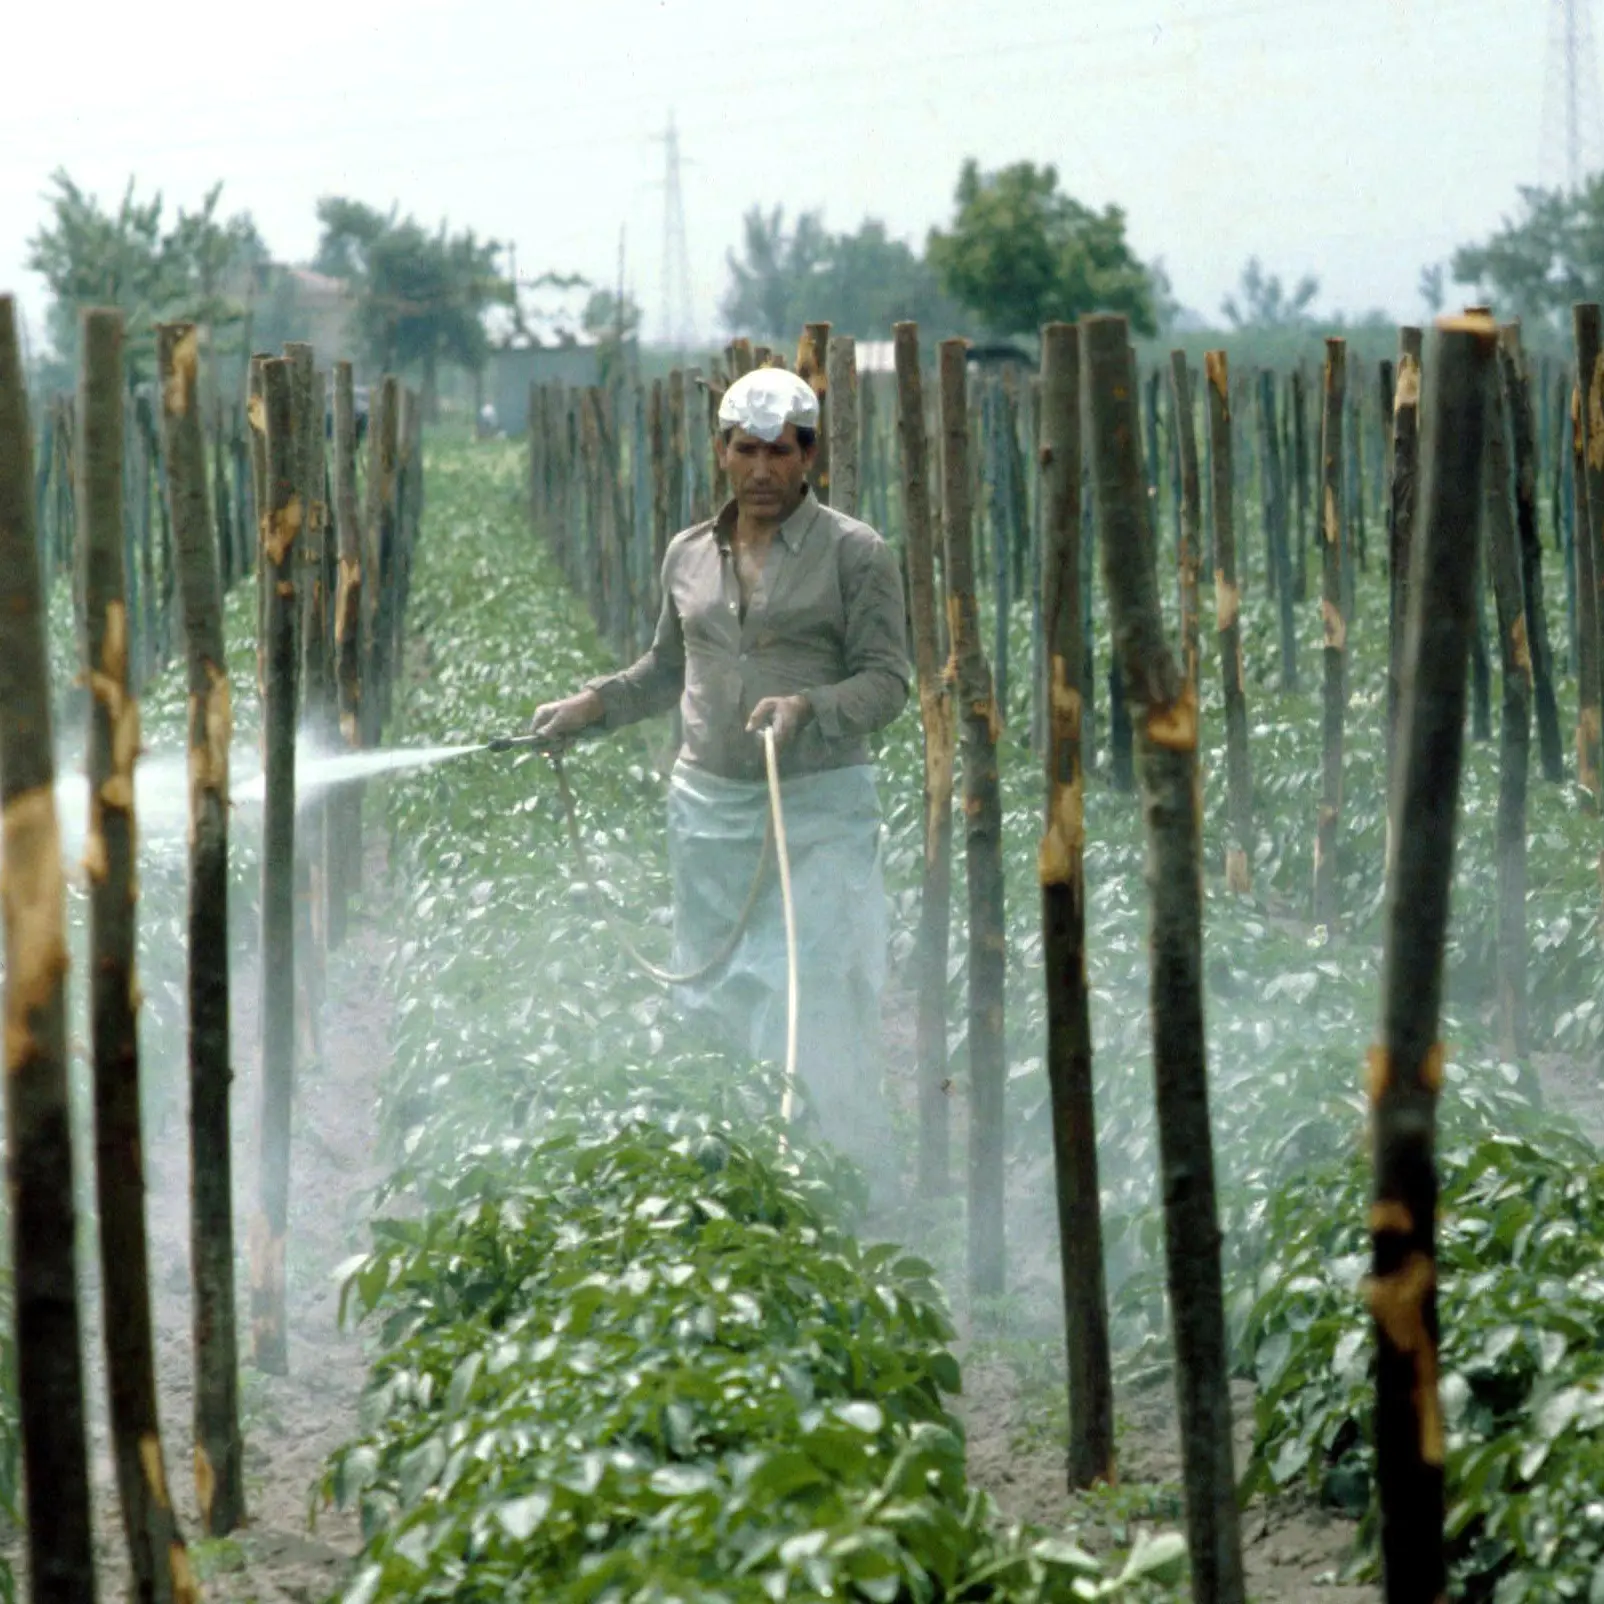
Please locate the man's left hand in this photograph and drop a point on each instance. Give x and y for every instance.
(785, 715)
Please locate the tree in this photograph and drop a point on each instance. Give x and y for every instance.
(1020, 253)
(862, 282)
(768, 290)
(89, 256)
(1537, 265)
(612, 321)
(421, 297)
(1265, 304)
(1433, 290)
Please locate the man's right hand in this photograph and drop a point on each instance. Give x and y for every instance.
(558, 720)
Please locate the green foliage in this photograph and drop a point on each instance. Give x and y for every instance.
(861, 283)
(626, 1346)
(421, 297)
(1521, 1256)
(88, 256)
(1537, 264)
(614, 323)
(1020, 253)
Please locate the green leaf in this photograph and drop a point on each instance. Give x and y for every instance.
(1060, 1551)
(1158, 1558)
(519, 1517)
(866, 1416)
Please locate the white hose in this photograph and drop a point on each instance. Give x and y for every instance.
(791, 986)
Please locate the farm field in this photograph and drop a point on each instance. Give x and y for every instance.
(572, 1313)
(506, 1107)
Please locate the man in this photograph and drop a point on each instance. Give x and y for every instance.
(779, 613)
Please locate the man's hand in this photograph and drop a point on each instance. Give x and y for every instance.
(785, 715)
(556, 721)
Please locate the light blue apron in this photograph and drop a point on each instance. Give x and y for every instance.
(832, 826)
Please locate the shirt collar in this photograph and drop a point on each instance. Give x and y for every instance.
(793, 531)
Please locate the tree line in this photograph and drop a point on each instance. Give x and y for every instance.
(1019, 251)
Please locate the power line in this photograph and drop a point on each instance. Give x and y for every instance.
(679, 323)
(1572, 136)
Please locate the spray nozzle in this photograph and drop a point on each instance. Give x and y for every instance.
(528, 743)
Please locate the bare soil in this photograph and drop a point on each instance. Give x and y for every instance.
(1293, 1552)
(292, 1423)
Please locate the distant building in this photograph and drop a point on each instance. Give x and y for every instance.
(575, 365)
(325, 309)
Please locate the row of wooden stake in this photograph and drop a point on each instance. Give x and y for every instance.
(1484, 475)
(327, 673)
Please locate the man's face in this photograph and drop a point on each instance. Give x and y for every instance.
(767, 477)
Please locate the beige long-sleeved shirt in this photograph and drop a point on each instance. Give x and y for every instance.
(826, 621)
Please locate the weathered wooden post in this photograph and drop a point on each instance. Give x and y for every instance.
(988, 1067)
(841, 385)
(1191, 519)
(1589, 534)
(1514, 728)
(1401, 523)
(312, 725)
(1406, 1069)
(1165, 706)
(1334, 619)
(50, 1389)
(345, 840)
(1228, 625)
(1518, 393)
(995, 421)
(282, 515)
(409, 521)
(157, 1555)
(379, 558)
(676, 463)
(1275, 509)
(1061, 869)
(812, 364)
(936, 716)
(219, 1472)
(222, 504)
(1300, 457)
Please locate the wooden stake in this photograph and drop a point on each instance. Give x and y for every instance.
(1300, 458)
(345, 856)
(1518, 395)
(812, 364)
(1334, 620)
(940, 742)
(379, 559)
(1515, 660)
(1191, 519)
(988, 1067)
(219, 1472)
(841, 385)
(1228, 626)
(1275, 507)
(50, 1391)
(1061, 870)
(157, 1556)
(281, 528)
(1165, 707)
(1406, 1069)
(1589, 544)
(1401, 522)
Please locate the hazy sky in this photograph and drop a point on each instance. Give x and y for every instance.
(1355, 139)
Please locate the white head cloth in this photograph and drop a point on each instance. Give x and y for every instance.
(763, 401)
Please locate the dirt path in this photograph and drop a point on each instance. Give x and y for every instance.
(1292, 1551)
(291, 1423)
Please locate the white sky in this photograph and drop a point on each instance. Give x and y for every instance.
(1356, 139)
